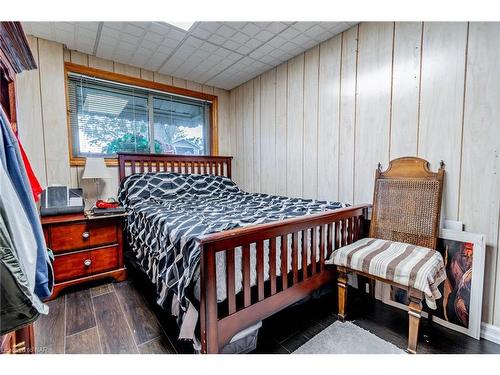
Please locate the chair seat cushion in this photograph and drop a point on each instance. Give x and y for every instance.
(412, 266)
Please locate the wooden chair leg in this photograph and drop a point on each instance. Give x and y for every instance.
(342, 287)
(414, 314)
(371, 284)
(428, 328)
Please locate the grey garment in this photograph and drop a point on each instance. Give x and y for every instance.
(18, 306)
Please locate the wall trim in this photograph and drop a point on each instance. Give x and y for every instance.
(490, 332)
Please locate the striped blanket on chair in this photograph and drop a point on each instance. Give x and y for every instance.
(412, 266)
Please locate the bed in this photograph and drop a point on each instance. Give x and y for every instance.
(222, 256)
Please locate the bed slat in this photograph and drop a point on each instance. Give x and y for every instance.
(350, 233)
(322, 245)
(272, 265)
(314, 246)
(231, 292)
(260, 269)
(304, 253)
(329, 246)
(344, 232)
(246, 275)
(337, 235)
(284, 262)
(295, 257)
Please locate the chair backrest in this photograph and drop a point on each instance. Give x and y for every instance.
(407, 202)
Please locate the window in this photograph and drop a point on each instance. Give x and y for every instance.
(107, 117)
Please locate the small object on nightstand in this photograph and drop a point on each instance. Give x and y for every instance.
(110, 207)
(86, 248)
(107, 211)
(110, 203)
(59, 200)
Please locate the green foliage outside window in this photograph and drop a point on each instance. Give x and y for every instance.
(131, 142)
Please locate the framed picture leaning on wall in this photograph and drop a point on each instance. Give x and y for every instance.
(460, 306)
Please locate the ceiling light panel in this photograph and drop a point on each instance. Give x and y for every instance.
(184, 25)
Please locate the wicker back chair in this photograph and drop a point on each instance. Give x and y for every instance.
(407, 202)
(406, 208)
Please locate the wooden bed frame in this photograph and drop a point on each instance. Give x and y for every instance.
(218, 325)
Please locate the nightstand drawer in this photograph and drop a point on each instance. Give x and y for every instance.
(103, 233)
(76, 236)
(84, 263)
(72, 266)
(104, 259)
(64, 237)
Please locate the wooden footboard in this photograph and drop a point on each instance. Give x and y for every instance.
(325, 231)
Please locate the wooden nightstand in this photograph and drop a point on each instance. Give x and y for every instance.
(85, 248)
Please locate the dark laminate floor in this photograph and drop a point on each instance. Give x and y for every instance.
(123, 318)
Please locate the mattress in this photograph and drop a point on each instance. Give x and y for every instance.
(167, 212)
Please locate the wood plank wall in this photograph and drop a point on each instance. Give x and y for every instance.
(42, 113)
(317, 125)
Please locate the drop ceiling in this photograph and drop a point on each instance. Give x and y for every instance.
(221, 54)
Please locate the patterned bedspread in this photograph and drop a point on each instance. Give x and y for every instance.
(168, 211)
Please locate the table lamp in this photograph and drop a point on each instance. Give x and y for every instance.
(95, 168)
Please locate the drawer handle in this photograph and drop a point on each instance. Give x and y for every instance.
(85, 235)
(87, 262)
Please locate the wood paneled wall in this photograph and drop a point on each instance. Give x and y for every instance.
(317, 125)
(42, 113)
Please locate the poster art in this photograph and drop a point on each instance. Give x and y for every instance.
(454, 306)
(460, 305)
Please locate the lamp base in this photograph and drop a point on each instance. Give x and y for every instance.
(91, 202)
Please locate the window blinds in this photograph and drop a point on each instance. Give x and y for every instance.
(108, 117)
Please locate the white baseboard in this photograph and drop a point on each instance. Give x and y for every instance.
(490, 332)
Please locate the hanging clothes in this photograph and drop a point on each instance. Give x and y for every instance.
(15, 170)
(19, 305)
(36, 188)
(19, 228)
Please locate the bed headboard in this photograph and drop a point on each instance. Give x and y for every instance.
(199, 164)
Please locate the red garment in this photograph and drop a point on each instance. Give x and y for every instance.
(36, 188)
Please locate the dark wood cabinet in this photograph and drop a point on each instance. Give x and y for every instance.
(85, 248)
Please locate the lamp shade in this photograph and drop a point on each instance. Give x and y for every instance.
(95, 168)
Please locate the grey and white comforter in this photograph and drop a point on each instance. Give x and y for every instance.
(168, 211)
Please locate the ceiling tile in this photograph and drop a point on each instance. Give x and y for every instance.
(225, 31)
(153, 37)
(232, 45)
(264, 35)
(277, 41)
(276, 27)
(253, 43)
(133, 29)
(244, 49)
(209, 47)
(251, 29)
(216, 39)
(209, 26)
(194, 42)
(201, 33)
(303, 26)
(240, 38)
